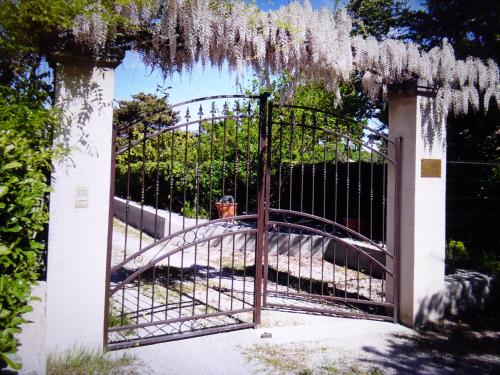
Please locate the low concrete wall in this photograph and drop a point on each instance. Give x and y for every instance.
(339, 251)
(160, 223)
(152, 224)
(467, 292)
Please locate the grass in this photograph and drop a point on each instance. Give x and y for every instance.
(300, 359)
(115, 320)
(174, 292)
(81, 361)
(280, 359)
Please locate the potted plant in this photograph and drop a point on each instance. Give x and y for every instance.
(226, 207)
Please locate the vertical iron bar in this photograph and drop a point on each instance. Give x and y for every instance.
(153, 293)
(371, 195)
(267, 199)
(244, 270)
(384, 193)
(157, 186)
(313, 191)
(336, 172)
(261, 188)
(182, 281)
(184, 178)
(171, 198)
(232, 273)
(334, 267)
(300, 256)
(359, 188)
(322, 264)
(224, 144)
(324, 176)
(280, 163)
(143, 178)
(370, 285)
(236, 158)
(208, 274)
(347, 186)
(311, 263)
(127, 203)
(290, 182)
(167, 287)
(357, 273)
(302, 151)
(345, 272)
(138, 298)
(212, 111)
(247, 174)
(397, 229)
(109, 248)
(197, 202)
(220, 271)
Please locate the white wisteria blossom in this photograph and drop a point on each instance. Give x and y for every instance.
(305, 42)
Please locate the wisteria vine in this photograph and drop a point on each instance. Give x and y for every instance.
(307, 43)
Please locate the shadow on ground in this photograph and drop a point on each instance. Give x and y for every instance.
(448, 347)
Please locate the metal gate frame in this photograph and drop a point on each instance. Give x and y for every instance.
(265, 229)
(391, 308)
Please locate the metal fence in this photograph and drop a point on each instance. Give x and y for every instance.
(473, 204)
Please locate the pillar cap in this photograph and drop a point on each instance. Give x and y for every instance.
(66, 50)
(412, 87)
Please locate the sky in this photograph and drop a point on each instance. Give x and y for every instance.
(132, 76)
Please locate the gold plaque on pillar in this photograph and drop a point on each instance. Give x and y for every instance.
(430, 168)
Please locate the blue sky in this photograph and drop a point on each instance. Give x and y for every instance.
(132, 76)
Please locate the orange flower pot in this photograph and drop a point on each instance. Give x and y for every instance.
(226, 209)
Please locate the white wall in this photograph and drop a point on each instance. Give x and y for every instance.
(78, 228)
(422, 249)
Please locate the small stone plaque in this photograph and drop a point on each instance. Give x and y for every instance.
(430, 168)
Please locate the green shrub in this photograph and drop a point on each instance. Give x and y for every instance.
(457, 254)
(24, 167)
(490, 262)
(189, 211)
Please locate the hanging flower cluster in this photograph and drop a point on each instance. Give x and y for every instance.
(307, 43)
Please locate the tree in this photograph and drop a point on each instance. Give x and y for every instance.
(378, 18)
(472, 28)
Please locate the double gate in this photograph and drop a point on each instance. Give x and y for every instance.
(227, 205)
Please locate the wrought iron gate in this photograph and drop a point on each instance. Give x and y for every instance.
(227, 205)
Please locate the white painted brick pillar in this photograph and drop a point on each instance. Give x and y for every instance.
(422, 202)
(79, 204)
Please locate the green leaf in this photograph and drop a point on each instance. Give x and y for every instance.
(4, 250)
(3, 190)
(12, 165)
(14, 229)
(14, 365)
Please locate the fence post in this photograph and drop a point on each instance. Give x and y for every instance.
(261, 204)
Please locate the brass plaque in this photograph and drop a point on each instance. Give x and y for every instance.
(430, 167)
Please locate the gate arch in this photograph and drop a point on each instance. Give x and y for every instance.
(178, 270)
